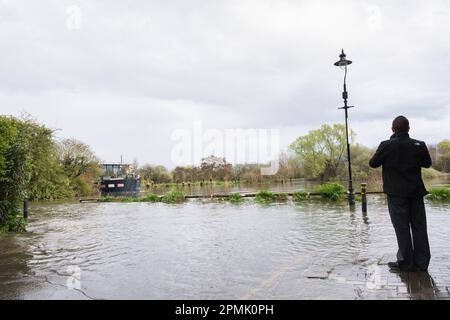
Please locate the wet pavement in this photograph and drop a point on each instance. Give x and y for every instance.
(357, 282)
(212, 250)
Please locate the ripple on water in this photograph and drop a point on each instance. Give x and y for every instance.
(195, 250)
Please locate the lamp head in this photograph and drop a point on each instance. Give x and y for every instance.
(342, 61)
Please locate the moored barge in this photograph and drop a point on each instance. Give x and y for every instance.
(119, 180)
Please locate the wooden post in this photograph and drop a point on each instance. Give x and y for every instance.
(26, 205)
(364, 197)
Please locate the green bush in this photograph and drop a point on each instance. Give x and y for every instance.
(151, 197)
(300, 196)
(106, 199)
(174, 196)
(48, 190)
(235, 198)
(14, 221)
(33, 166)
(265, 196)
(439, 193)
(82, 187)
(333, 191)
(128, 199)
(148, 198)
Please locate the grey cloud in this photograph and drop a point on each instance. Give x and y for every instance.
(152, 66)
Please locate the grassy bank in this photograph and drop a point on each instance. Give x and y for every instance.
(330, 192)
(173, 196)
(439, 194)
(265, 197)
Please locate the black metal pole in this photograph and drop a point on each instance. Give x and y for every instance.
(351, 194)
(364, 198)
(26, 206)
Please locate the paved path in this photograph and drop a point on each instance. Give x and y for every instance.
(361, 280)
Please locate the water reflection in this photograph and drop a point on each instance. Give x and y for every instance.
(202, 249)
(420, 285)
(14, 269)
(287, 186)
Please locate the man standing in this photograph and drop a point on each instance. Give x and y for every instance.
(402, 159)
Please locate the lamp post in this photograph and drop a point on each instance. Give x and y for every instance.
(343, 63)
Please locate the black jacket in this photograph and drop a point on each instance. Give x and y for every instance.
(402, 159)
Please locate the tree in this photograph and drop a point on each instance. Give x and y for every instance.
(215, 168)
(29, 167)
(360, 166)
(77, 158)
(252, 173)
(321, 151)
(155, 174)
(80, 165)
(286, 169)
(246, 172)
(443, 156)
(48, 180)
(15, 171)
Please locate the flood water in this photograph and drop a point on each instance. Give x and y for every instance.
(201, 250)
(285, 186)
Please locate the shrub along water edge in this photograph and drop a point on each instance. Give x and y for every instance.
(439, 193)
(333, 191)
(266, 196)
(300, 195)
(174, 196)
(151, 197)
(235, 198)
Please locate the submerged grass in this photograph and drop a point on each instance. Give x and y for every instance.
(332, 191)
(147, 198)
(106, 199)
(174, 196)
(265, 197)
(129, 199)
(151, 197)
(439, 194)
(300, 195)
(118, 199)
(235, 198)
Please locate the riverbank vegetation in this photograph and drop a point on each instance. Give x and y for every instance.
(439, 194)
(147, 198)
(319, 155)
(235, 198)
(332, 191)
(300, 196)
(35, 165)
(266, 196)
(328, 191)
(173, 196)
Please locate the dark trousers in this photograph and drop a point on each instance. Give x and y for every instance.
(410, 224)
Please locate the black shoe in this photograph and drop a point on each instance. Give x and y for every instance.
(395, 266)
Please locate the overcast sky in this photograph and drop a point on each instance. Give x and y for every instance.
(123, 75)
